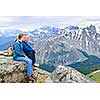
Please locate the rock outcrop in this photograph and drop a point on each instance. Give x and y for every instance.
(15, 72)
(64, 74)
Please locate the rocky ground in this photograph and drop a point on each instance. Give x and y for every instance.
(67, 74)
(14, 72)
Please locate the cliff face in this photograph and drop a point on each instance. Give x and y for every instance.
(14, 72)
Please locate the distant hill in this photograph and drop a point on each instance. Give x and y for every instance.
(87, 66)
(7, 37)
(6, 41)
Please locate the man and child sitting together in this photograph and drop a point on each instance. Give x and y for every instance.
(22, 51)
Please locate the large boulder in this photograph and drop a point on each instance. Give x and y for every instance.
(67, 74)
(15, 72)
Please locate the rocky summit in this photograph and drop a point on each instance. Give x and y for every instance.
(14, 72)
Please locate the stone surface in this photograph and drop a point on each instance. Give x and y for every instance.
(64, 74)
(15, 72)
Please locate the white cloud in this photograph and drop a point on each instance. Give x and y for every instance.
(5, 19)
(31, 22)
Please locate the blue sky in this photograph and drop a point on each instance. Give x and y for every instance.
(28, 22)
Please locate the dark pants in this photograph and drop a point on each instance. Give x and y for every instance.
(31, 55)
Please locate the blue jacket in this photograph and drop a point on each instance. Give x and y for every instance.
(18, 50)
(27, 48)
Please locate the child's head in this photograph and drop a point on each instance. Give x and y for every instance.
(21, 36)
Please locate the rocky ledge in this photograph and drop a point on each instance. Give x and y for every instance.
(15, 72)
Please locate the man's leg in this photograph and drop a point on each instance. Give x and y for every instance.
(31, 55)
(29, 66)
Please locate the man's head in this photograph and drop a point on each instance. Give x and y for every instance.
(26, 38)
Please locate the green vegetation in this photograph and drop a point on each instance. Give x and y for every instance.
(48, 67)
(41, 78)
(95, 76)
(87, 69)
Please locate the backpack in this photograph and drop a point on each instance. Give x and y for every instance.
(10, 51)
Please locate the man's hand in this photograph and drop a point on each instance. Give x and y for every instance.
(36, 52)
(26, 56)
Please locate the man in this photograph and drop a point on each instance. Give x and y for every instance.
(29, 51)
(19, 55)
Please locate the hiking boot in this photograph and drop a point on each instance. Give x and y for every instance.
(30, 79)
(36, 65)
(33, 76)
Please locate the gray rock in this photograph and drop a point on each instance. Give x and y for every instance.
(15, 72)
(64, 74)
